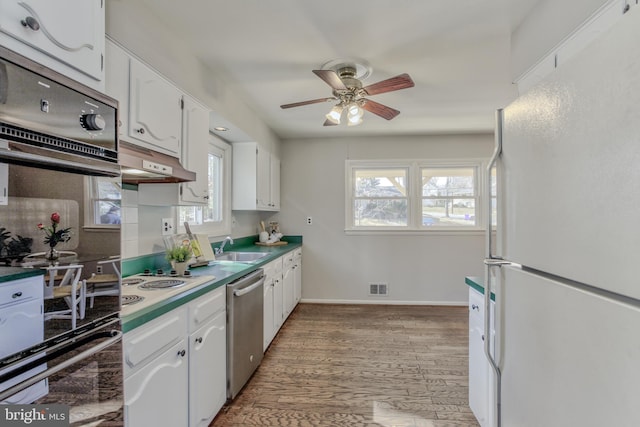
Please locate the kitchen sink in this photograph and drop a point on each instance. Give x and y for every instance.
(241, 256)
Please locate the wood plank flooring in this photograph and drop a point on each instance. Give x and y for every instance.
(360, 365)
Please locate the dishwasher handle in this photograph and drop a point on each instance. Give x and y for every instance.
(244, 291)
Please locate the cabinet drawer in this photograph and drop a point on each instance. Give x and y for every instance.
(148, 341)
(21, 290)
(206, 307)
(277, 266)
(273, 268)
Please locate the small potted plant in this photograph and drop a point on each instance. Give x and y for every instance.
(179, 256)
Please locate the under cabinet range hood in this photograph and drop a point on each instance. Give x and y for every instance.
(143, 166)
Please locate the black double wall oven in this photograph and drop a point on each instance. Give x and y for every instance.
(58, 140)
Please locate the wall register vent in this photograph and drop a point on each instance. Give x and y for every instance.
(378, 289)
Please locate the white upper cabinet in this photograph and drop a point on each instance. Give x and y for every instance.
(274, 181)
(256, 178)
(64, 35)
(263, 182)
(155, 113)
(195, 151)
(117, 83)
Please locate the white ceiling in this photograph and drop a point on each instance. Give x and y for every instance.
(457, 53)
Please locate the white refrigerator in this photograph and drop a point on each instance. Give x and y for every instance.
(568, 300)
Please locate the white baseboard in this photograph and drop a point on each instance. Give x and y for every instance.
(383, 302)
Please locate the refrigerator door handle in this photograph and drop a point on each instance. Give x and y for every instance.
(492, 261)
(488, 264)
(494, 158)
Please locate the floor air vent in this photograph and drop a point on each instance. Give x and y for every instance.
(378, 289)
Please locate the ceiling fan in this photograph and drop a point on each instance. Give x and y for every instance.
(351, 95)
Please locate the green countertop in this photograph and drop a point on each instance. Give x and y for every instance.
(477, 283)
(8, 274)
(224, 272)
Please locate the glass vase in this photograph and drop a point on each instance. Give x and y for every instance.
(52, 254)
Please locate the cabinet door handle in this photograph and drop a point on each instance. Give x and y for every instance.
(140, 131)
(30, 22)
(181, 353)
(16, 295)
(475, 307)
(198, 340)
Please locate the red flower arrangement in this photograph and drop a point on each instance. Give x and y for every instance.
(53, 236)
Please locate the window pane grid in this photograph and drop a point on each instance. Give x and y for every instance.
(449, 197)
(105, 195)
(411, 195)
(380, 197)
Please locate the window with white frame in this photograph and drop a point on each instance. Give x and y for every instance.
(102, 202)
(413, 195)
(214, 219)
(380, 197)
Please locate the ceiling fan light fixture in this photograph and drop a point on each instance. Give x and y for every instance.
(345, 79)
(334, 115)
(354, 121)
(354, 115)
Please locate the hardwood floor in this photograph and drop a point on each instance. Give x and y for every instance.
(361, 365)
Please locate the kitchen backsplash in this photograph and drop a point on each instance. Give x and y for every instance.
(129, 218)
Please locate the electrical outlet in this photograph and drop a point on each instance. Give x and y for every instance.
(309, 220)
(167, 226)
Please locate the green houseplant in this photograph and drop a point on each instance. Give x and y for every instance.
(178, 256)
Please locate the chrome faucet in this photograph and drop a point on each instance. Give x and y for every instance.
(220, 250)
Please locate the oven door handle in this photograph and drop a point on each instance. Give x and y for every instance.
(117, 336)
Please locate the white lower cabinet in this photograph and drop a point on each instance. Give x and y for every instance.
(278, 303)
(297, 276)
(207, 357)
(156, 372)
(175, 365)
(273, 313)
(481, 383)
(268, 323)
(288, 284)
(22, 326)
(282, 291)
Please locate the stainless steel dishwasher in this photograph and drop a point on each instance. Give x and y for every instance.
(244, 329)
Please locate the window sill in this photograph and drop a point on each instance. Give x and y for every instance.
(430, 232)
(102, 228)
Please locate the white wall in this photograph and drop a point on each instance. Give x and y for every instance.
(548, 23)
(338, 267)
